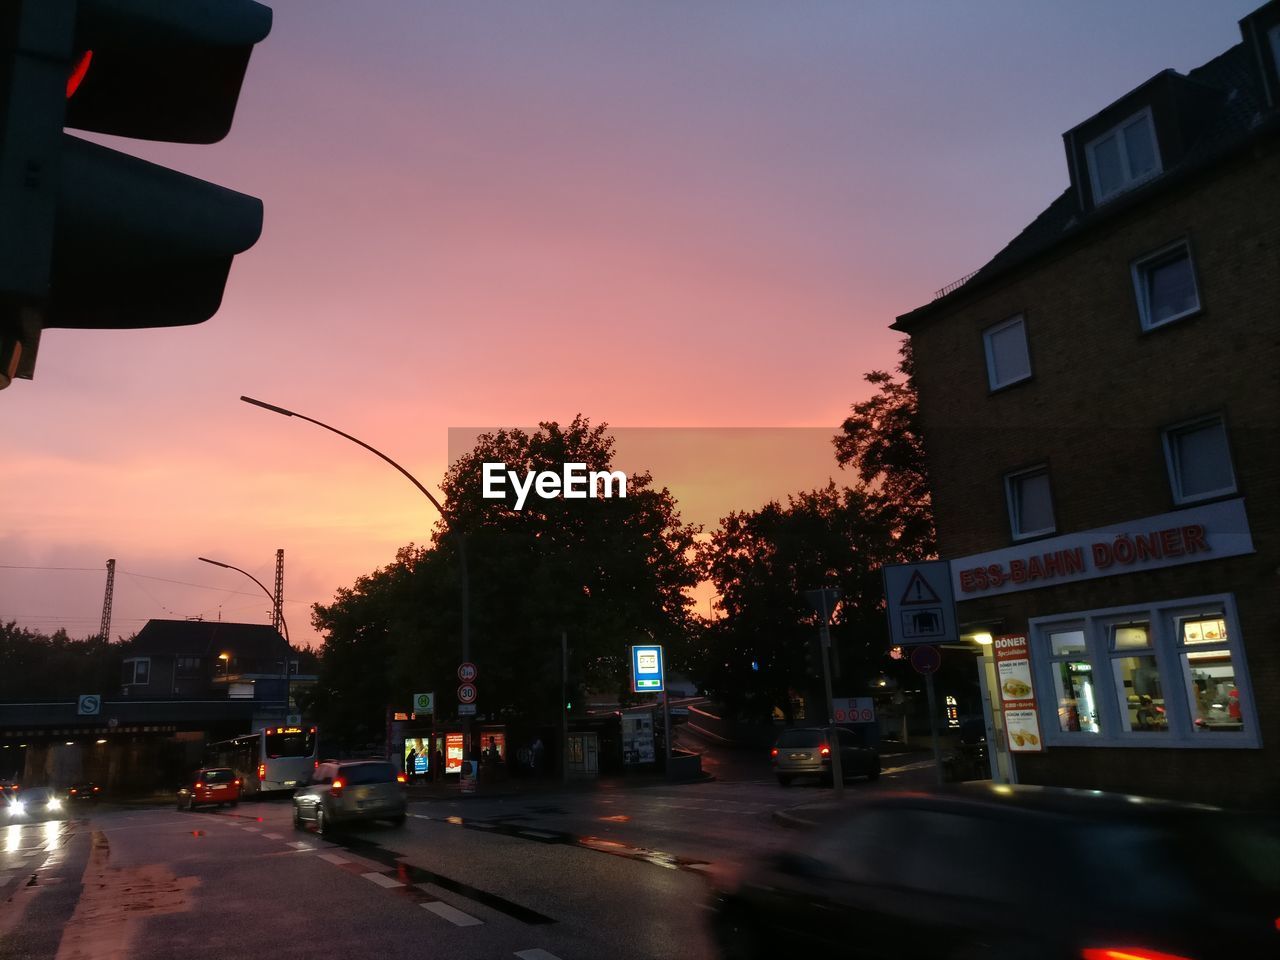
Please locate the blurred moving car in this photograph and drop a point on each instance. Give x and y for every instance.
(34, 803)
(85, 792)
(806, 751)
(210, 786)
(1006, 873)
(7, 789)
(343, 792)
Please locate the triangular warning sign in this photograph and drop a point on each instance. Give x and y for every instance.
(918, 591)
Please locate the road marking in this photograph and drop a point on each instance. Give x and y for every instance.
(251, 829)
(274, 836)
(535, 833)
(382, 880)
(452, 914)
(303, 845)
(420, 816)
(333, 858)
(537, 953)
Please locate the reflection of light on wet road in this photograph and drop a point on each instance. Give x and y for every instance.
(52, 834)
(618, 818)
(13, 838)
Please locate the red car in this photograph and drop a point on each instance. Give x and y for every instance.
(210, 786)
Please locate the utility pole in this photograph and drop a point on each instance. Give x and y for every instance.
(105, 630)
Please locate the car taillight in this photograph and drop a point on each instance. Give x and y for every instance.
(262, 771)
(1128, 953)
(824, 750)
(401, 778)
(199, 785)
(74, 791)
(773, 752)
(315, 764)
(96, 789)
(236, 782)
(335, 789)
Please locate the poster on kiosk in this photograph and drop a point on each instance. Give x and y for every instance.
(1017, 693)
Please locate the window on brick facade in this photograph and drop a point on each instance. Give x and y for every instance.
(1199, 460)
(1123, 157)
(1167, 674)
(1030, 505)
(1165, 285)
(1008, 360)
(136, 671)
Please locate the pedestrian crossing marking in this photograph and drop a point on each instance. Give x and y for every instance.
(452, 914)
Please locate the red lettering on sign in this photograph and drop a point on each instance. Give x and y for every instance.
(1017, 571)
(1172, 543)
(1102, 556)
(1149, 546)
(995, 574)
(1193, 537)
(1035, 571)
(1072, 560)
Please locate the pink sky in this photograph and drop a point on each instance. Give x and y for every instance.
(666, 214)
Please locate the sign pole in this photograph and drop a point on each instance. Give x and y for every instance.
(933, 723)
(833, 736)
(564, 706)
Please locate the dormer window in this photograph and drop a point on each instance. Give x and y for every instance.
(1123, 157)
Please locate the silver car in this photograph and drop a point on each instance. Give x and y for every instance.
(807, 751)
(348, 791)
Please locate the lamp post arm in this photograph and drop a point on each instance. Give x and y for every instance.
(356, 440)
(270, 595)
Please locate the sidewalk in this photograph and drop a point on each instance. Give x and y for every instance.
(529, 786)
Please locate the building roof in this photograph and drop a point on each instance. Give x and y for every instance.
(207, 638)
(1233, 112)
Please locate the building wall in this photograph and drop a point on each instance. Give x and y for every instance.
(1102, 391)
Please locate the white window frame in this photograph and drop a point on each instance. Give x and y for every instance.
(1118, 132)
(135, 682)
(1140, 269)
(1163, 617)
(1020, 321)
(1173, 466)
(1010, 481)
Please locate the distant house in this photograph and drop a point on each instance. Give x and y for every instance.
(200, 660)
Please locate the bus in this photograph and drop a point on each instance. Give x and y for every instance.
(273, 759)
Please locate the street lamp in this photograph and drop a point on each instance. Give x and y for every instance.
(458, 537)
(278, 604)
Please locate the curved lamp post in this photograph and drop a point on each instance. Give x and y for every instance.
(457, 535)
(275, 601)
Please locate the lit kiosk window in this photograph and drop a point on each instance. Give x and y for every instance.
(1212, 693)
(1073, 681)
(1137, 677)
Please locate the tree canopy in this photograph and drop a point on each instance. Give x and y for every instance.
(608, 572)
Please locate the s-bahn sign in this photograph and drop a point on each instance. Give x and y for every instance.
(1148, 543)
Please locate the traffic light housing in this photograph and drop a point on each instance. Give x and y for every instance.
(91, 237)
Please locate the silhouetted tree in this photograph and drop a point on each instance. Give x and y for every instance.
(882, 444)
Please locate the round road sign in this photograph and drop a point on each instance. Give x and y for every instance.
(867, 715)
(926, 659)
(841, 717)
(467, 672)
(466, 693)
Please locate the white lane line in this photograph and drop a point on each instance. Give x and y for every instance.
(452, 914)
(382, 880)
(333, 858)
(537, 833)
(537, 953)
(274, 836)
(302, 845)
(420, 816)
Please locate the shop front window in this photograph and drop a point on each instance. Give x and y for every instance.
(1137, 677)
(1073, 682)
(1212, 692)
(1169, 673)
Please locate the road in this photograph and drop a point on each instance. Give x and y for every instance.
(579, 874)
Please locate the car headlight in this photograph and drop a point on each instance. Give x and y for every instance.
(55, 803)
(17, 808)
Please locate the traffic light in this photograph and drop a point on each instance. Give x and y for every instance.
(91, 237)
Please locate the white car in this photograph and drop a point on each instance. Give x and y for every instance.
(35, 803)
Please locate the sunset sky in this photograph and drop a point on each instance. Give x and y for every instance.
(658, 213)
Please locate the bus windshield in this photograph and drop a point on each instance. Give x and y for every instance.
(299, 744)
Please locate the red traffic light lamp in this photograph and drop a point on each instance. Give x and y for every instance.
(91, 237)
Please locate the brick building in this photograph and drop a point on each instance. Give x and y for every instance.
(1100, 405)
